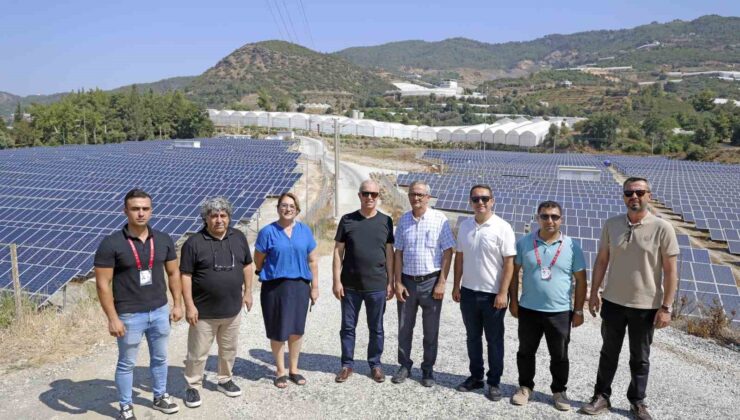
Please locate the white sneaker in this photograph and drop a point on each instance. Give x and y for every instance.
(522, 396)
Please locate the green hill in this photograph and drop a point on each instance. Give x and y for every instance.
(282, 69)
(706, 41)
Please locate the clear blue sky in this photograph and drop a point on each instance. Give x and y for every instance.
(48, 46)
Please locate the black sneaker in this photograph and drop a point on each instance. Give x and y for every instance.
(494, 393)
(401, 375)
(230, 389)
(126, 413)
(427, 379)
(165, 404)
(192, 398)
(470, 384)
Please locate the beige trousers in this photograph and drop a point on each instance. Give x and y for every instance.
(200, 339)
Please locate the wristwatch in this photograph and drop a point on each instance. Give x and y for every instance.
(666, 308)
(257, 272)
(579, 312)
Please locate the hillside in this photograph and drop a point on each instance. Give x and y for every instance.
(709, 41)
(282, 70)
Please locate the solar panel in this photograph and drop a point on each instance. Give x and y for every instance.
(58, 203)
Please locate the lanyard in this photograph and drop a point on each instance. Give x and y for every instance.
(557, 253)
(136, 254)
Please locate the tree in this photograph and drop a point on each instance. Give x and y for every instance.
(705, 135)
(18, 115)
(602, 126)
(5, 140)
(263, 100)
(703, 101)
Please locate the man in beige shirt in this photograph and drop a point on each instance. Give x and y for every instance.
(640, 251)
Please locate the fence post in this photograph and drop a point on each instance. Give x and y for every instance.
(16, 281)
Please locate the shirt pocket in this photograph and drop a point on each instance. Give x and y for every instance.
(431, 240)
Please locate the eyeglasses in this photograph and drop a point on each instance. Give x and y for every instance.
(554, 217)
(640, 193)
(478, 199)
(287, 206)
(417, 195)
(216, 266)
(367, 194)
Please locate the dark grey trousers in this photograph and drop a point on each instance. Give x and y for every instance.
(420, 295)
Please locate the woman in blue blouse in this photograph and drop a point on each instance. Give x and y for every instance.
(287, 263)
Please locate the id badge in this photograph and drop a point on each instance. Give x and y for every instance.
(545, 273)
(145, 277)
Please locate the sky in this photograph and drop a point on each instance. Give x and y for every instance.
(50, 46)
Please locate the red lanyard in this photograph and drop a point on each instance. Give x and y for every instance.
(136, 254)
(557, 253)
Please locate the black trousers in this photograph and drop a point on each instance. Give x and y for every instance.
(556, 328)
(640, 326)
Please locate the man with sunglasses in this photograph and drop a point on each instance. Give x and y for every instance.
(363, 272)
(640, 250)
(424, 246)
(483, 265)
(550, 261)
(216, 267)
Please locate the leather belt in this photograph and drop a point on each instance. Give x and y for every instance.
(419, 279)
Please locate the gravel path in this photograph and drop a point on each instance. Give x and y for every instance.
(691, 378)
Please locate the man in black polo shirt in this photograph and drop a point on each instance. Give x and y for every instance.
(129, 273)
(216, 267)
(363, 272)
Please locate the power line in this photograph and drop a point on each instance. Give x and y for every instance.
(282, 19)
(275, 20)
(290, 20)
(308, 27)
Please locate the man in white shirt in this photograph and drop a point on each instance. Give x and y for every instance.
(484, 264)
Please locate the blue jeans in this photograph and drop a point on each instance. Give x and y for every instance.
(480, 316)
(156, 326)
(375, 308)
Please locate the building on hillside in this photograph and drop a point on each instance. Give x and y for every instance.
(448, 88)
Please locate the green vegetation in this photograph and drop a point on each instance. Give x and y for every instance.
(285, 73)
(96, 117)
(707, 39)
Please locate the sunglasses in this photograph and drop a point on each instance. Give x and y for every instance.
(554, 217)
(417, 195)
(367, 194)
(640, 193)
(478, 199)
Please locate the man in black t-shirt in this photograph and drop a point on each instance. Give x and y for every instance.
(132, 289)
(362, 270)
(216, 267)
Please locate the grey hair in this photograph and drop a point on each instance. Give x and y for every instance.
(367, 182)
(423, 183)
(213, 204)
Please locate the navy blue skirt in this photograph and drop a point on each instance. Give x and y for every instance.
(284, 307)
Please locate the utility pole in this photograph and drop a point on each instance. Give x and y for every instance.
(336, 168)
(84, 125)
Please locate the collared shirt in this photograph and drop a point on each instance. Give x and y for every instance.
(484, 247)
(636, 252)
(553, 295)
(217, 270)
(129, 296)
(285, 257)
(423, 241)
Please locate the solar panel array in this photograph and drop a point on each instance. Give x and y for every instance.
(520, 181)
(58, 203)
(706, 193)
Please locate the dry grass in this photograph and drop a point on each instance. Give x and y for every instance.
(48, 335)
(714, 325)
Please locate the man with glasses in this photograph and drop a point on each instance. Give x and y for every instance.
(216, 267)
(483, 265)
(640, 250)
(550, 261)
(424, 246)
(363, 272)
